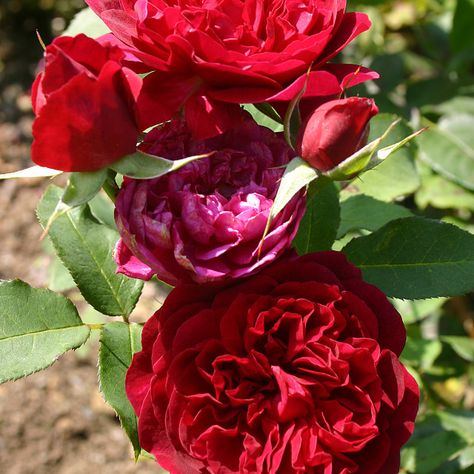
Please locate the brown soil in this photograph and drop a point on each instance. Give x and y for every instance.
(55, 421)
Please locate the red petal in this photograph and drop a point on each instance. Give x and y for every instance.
(86, 125)
(112, 13)
(37, 96)
(352, 25)
(162, 96)
(207, 117)
(392, 333)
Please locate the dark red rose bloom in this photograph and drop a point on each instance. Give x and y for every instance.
(235, 51)
(85, 106)
(205, 222)
(294, 370)
(335, 131)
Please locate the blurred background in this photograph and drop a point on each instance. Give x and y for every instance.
(55, 421)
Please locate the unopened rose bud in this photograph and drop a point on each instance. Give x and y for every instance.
(335, 131)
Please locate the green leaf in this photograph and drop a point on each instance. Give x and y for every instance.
(384, 182)
(118, 343)
(461, 33)
(440, 193)
(392, 69)
(36, 327)
(268, 110)
(85, 247)
(292, 119)
(356, 163)
(141, 165)
(298, 174)
(463, 346)
(31, 172)
(365, 212)
(460, 421)
(458, 222)
(466, 459)
(416, 258)
(88, 23)
(102, 209)
(425, 454)
(454, 106)
(369, 157)
(264, 116)
(421, 353)
(60, 280)
(449, 148)
(431, 90)
(318, 229)
(416, 311)
(82, 187)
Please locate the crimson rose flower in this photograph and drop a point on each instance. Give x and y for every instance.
(335, 131)
(205, 222)
(85, 106)
(237, 52)
(294, 370)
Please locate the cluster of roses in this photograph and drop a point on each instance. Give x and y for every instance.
(259, 361)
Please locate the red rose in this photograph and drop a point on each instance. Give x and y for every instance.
(236, 52)
(335, 131)
(294, 370)
(84, 104)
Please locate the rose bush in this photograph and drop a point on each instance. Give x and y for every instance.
(211, 53)
(335, 131)
(205, 222)
(85, 105)
(293, 370)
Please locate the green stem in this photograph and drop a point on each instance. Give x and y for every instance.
(110, 186)
(95, 326)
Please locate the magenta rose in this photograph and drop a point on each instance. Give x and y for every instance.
(235, 52)
(85, 105)
(335, 131)
(205, 222)
(294, 370)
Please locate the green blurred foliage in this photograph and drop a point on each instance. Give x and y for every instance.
(424, 51)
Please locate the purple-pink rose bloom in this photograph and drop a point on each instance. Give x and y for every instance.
(205, 222)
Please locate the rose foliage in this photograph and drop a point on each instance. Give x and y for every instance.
(293, 370)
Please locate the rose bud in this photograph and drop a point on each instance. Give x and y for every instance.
(335, 131)
(294, 370)
(84, 104)
(205, 222)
